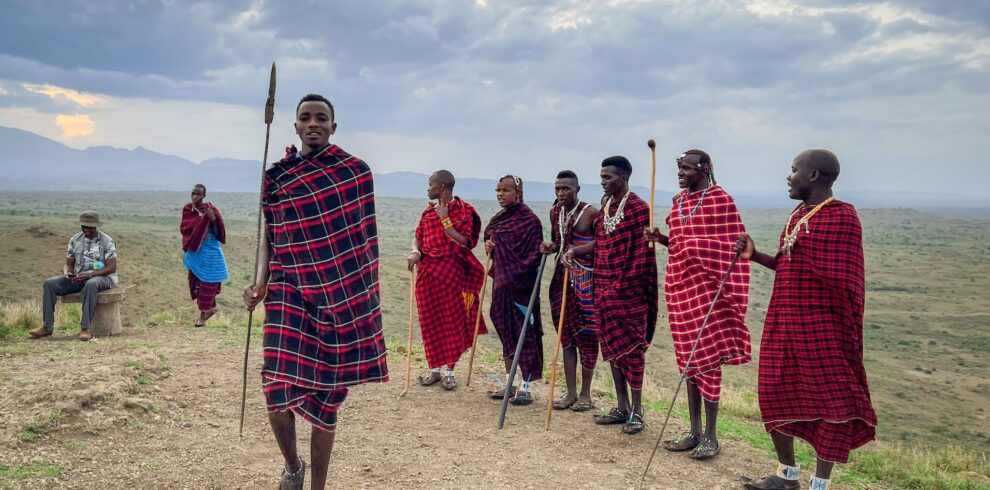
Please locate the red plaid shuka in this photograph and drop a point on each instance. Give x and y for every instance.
(204, 293)
(626, 289)
(700, 250)
(447, 283)
(577, 331)
(812, 383)
(318, 407)
(517, 234)
(323, 329)
(194, 225)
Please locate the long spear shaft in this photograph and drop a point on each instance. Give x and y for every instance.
(653, 179)
(687, 364)
(477, 320)
(269, 116)
(412, 292)
(521, 341)
(556, 349)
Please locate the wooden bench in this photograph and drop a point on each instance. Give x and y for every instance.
(106, 319)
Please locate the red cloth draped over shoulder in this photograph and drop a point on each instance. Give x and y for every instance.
(625, 281)
(700, 251)
(812, 382)
(448, 282)
(195, 223)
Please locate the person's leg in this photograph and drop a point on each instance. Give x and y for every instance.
(783, 444)
(694, 406)
(284, 427)
(320, 450)
(570, 372)
(621, 389)
(90, 296)
(50, 291)
(787, 472)
(711, 420)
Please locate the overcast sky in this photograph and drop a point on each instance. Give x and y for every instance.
(900, 90)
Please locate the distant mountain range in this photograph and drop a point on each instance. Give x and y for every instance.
(30, 162)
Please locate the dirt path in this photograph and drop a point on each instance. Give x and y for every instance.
(158, 408)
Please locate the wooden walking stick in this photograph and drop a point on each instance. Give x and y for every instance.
(521, 341)
(477, 319)
(687, 364)
(556, 350)
(269, 116)
(412, 291)
(653, 179)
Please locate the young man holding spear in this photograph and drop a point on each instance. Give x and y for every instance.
(572, 223)
(812, 382)
(625, 288)
(703, 225)
(449, 278)
(318, 277)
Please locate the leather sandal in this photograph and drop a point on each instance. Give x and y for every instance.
(769, 482)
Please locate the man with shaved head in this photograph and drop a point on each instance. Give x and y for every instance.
(448, 280)
(812, 383)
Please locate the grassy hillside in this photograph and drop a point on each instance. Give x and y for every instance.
(926, 342)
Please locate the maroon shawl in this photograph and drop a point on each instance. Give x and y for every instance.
(195, 223)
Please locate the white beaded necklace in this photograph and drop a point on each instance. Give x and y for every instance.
(791, 236)
(562, 220)
(611, 222)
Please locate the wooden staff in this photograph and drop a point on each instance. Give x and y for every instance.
(412, 291)
(477, 320)
(269, 116)
(556, 350)
(653, 179)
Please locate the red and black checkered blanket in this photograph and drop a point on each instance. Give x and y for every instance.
(625, 281)
(704, 227)
(812, 382)
(447, 283)
(323, 328)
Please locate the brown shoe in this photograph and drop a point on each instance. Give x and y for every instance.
(39, 333)
(85, 336)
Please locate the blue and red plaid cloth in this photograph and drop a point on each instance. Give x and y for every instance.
(700, 251)
(626, 289)
(323, 329)
(812, 382)
(448, 282)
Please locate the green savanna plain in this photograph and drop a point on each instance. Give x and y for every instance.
(927, 345)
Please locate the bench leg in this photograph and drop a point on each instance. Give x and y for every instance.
(106, 320)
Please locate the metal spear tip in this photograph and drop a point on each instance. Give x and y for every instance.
(652, 144)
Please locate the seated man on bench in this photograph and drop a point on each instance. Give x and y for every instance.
(90, 267)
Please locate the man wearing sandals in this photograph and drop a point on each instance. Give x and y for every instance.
(812, 382)
(318, 276)
(448, 280)
(203, 232)
(625, 285)
(704, 225)
(572, 224)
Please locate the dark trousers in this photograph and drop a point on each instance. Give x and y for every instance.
(60, 286)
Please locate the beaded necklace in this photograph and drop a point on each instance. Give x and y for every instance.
(562, 221)
(791, 236)
(611, 222)
(680, 204)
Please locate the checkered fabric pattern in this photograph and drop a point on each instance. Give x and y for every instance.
(318, 407)
(448, 282)
(625, 284)
(700, 251)
(581, 320)
(323, 329)
(204, 293)
(812, 383)
(517, 233)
